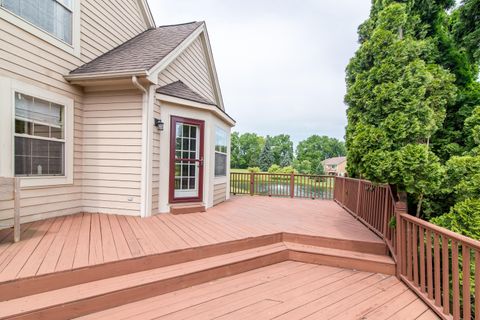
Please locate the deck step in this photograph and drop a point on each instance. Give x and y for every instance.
(341, 258)
(98, 295)
(184, 208)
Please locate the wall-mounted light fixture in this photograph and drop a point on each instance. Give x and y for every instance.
(159, 124)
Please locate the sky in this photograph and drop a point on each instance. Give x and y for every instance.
(281, 63)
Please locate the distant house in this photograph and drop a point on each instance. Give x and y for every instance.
(336, 166)
(102, 111)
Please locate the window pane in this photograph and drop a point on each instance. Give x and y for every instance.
(55, 149)
(193, 132)
(39, 165)
(220, 164)
(55, 166)
(39, 148)
(23, 127)
(56, 133)
(22, 146)
(48, 15)
(22, 166)
(41, 130)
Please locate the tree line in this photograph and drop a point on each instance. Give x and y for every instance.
(249, 150)
(413, 99)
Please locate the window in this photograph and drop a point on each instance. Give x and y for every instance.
(52, 16)
(39, 137)
(220, 153)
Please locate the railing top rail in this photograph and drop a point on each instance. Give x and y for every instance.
(285, 174)
(363, 180)
(453, 235)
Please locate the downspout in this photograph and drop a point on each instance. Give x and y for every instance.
(145, 185)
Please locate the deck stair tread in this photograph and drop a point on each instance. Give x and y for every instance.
(339, 252)
(97, 288)
(189, 207)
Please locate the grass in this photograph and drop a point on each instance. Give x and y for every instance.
(239, 170)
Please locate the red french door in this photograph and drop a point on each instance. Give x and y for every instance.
(186, 160)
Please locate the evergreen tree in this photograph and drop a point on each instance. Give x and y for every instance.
(397, 98)
(266, 158)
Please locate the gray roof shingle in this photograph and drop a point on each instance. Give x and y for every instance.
(141, 52)
(334, 160)
(179, 89)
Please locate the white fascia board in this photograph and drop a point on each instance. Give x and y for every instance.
(212, 69)
(193, 104)
(146, 13)
(105, 75)
(162, 64)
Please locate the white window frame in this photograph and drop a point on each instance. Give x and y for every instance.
(215, 152)
(20, 22)
(8, 88)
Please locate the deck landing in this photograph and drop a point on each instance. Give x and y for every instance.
(83, 240)
(288, 290)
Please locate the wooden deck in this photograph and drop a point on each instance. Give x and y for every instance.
(288, 290)
(249, 257)
(83, 240)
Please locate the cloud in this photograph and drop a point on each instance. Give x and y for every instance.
(281, 64)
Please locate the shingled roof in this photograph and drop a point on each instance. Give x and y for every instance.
(141, 52)
(335, 160)
(179, 89)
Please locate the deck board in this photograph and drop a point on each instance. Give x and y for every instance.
(265, 293)
(82, 240)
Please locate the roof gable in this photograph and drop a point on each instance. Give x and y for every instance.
(141, 52)
(190, 67)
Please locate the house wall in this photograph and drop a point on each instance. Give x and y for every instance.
(191, 68)
(106, 24)
(156, 161)
(26, 58)
(112, 152)
(219, 193)
(342, 168)
(167, 110)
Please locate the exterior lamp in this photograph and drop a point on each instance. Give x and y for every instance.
(159, 124)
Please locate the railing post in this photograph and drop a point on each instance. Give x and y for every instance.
(400, 208)
(292, 185)
(16, 210)
(252, 183)
(385, 209)
(343, 191)
(357, 210)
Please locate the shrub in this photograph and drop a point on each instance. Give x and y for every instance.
(254, 169)
(274, 168)
(288, 170)
(463, 218)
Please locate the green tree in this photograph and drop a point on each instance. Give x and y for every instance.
(266, 158)
(245, 150)
(397, 97)
(317, 148)
(282, 148)
(303, 166)
(235, 151)
(467, 28)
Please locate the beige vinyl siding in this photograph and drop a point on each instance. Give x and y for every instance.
(219, 193)
(28, 59)
(191, 68)
(156, 160)
(106, 24)
(112, 152)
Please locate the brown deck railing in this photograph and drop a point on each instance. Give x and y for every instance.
(282, 185)
(441, 266)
